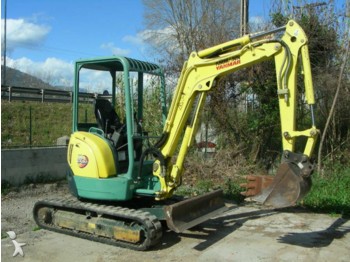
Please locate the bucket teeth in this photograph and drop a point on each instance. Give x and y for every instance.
(255, 184)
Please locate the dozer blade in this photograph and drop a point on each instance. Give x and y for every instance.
(191, 212)
(286, 189)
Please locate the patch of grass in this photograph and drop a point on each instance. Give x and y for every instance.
(6, 187)
(204, 186)
(330, 193)
(232, 190)
(36, 228)
(49, 122)
(184, 190)
(3, 235)
(230, 187)
(201, 187)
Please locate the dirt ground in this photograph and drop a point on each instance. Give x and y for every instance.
(244, 233)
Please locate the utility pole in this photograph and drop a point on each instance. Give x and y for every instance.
(244, 17)
(5, 26)
(347, 15)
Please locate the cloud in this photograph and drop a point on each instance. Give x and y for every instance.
(135, 40)
(164, 38)
(115, 50)
(61, 73)
(53, 70)
(58, 72)
(21, 33)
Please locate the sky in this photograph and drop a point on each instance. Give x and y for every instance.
(72, 29)
(45, 37)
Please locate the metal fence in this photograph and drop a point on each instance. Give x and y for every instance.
(28, 135)
(12, 93)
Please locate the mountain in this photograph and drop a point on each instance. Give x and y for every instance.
(15, 77)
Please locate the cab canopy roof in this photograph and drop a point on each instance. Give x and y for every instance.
(118, 63)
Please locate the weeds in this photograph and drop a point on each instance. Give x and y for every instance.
(330, 193)
(232, 190)
(5, 187)
(36, 228)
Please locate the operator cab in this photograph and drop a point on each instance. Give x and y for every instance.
(113, 128)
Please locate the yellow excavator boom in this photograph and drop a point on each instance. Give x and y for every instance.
(203, 70)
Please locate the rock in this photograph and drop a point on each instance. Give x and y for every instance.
(62, 141)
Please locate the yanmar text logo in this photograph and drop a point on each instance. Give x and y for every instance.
(227, 63)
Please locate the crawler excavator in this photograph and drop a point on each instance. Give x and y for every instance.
(123, 184)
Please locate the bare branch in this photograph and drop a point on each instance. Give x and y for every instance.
(335, 99)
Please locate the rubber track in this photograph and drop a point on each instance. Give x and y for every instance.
(150, 223)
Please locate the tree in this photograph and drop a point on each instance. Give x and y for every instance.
(176, 28)
(327, 28)
(244, 107)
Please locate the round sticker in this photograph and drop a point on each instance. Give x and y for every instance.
(82, 161)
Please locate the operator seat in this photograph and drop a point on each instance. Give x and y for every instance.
(107, 118)
(114, 129)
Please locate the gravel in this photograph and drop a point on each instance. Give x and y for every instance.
(17, 205)
(244, 233)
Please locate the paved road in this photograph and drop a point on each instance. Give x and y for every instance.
(241, 234)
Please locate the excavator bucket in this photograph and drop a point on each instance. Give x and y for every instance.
(191, 212)
(287, 187)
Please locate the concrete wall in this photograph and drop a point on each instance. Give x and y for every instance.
(19, 166)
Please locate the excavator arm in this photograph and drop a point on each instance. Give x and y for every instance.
(202, 72)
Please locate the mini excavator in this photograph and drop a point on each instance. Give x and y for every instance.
(123, 185)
